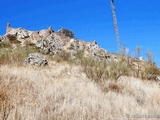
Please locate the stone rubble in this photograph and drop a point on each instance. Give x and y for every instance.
(35, 59)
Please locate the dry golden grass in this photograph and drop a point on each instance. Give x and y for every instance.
(14, 56)
(62, 91)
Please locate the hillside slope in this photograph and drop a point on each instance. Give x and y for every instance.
(63, 91)
(78, 81)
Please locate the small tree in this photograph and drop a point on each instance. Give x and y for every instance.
(66, 32)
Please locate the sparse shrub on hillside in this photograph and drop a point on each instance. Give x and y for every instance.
(12, 38)
(99, 71)
(119, 68)
(150, 57)
(103, 70)
(95, 70)
(14, 56)
(151, 67)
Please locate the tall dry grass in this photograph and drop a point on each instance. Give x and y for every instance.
(14, 55)
(84, 89)
(62, 91)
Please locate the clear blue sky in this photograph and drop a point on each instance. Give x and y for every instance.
(138, 20)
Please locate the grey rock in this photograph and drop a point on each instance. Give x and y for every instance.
(51, 45)
(35, 59)
(97, 52)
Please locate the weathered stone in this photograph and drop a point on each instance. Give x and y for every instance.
(51, 44)
(26, 36)
(35, 59)
(97, 52)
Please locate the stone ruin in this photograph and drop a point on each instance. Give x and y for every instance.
(51, 42)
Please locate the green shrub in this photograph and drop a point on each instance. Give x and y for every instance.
(102, 70)
(151, 67)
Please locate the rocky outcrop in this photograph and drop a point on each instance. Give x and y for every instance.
(51, 44)
(96, 51)
(35, 59)
(27, 36)
(55, 44)
(60, 42)
(64, 43)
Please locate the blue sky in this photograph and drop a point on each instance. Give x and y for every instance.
(138, 20)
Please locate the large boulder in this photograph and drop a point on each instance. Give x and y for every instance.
(35, 59)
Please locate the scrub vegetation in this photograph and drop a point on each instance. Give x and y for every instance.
(79, 88)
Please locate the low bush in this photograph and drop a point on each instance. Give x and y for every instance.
(102, 70)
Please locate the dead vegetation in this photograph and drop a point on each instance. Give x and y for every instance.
(63, 91)
(74, 88)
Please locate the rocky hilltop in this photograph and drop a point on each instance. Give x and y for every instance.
(60, 42)
(51, 42)
(63, 42)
